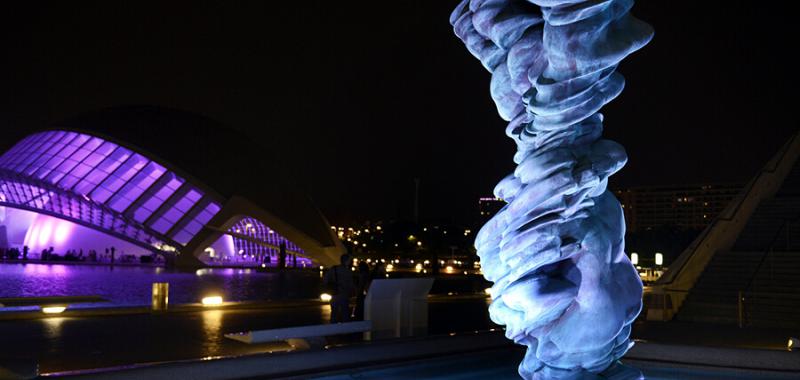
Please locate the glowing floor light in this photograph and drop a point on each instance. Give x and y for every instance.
(211, 301)
(53, 309)
(325, 297)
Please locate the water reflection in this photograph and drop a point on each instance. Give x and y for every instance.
(212, 321)
(52, 327)
(124, 285)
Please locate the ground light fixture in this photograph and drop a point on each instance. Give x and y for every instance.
(325, 297)
(211, 301)
(53, 309)
(793, 344)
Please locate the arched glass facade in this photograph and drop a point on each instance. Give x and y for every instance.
(261, 244)
(101, 184)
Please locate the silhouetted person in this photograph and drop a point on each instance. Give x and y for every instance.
(282, 256)
(339, 281)
(113, 251)
(363, 279)
(25, 251)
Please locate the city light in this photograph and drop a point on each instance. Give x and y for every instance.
(659, 259)
(389, 267)
(634, 258)
(488, 291)
(211, 301)
(325, 297)
(53, 309)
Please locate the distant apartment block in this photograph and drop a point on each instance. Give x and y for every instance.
(689, 206)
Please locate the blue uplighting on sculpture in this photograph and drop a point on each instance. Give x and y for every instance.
(563, 285)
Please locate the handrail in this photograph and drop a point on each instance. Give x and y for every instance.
(745, 293)
(729, 213)
(770, 249)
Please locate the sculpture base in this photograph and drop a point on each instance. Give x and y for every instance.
(617, 371)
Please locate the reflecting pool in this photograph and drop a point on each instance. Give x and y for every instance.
(131, 285)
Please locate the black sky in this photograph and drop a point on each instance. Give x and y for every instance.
(359, 98)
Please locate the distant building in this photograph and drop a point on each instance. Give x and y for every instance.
(488, 206)
(689, 206)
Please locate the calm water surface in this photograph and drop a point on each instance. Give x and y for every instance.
(130, 286)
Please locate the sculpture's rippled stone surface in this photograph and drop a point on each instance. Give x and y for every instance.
(563, 285)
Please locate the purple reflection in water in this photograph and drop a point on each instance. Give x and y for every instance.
(129, 286)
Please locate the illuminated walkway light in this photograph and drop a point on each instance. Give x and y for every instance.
(793, 344)
(325, 297)
(211, 301)
(53, 309)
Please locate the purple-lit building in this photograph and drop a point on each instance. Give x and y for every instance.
(148, 180)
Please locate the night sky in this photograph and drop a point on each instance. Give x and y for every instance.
(359, 98)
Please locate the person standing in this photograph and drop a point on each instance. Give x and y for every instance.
(282, 255)
(339, 280)
(363, 279)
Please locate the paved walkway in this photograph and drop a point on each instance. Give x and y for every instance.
(65, 343)
(706, 334)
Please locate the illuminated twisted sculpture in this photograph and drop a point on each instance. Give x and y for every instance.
(563, 285)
